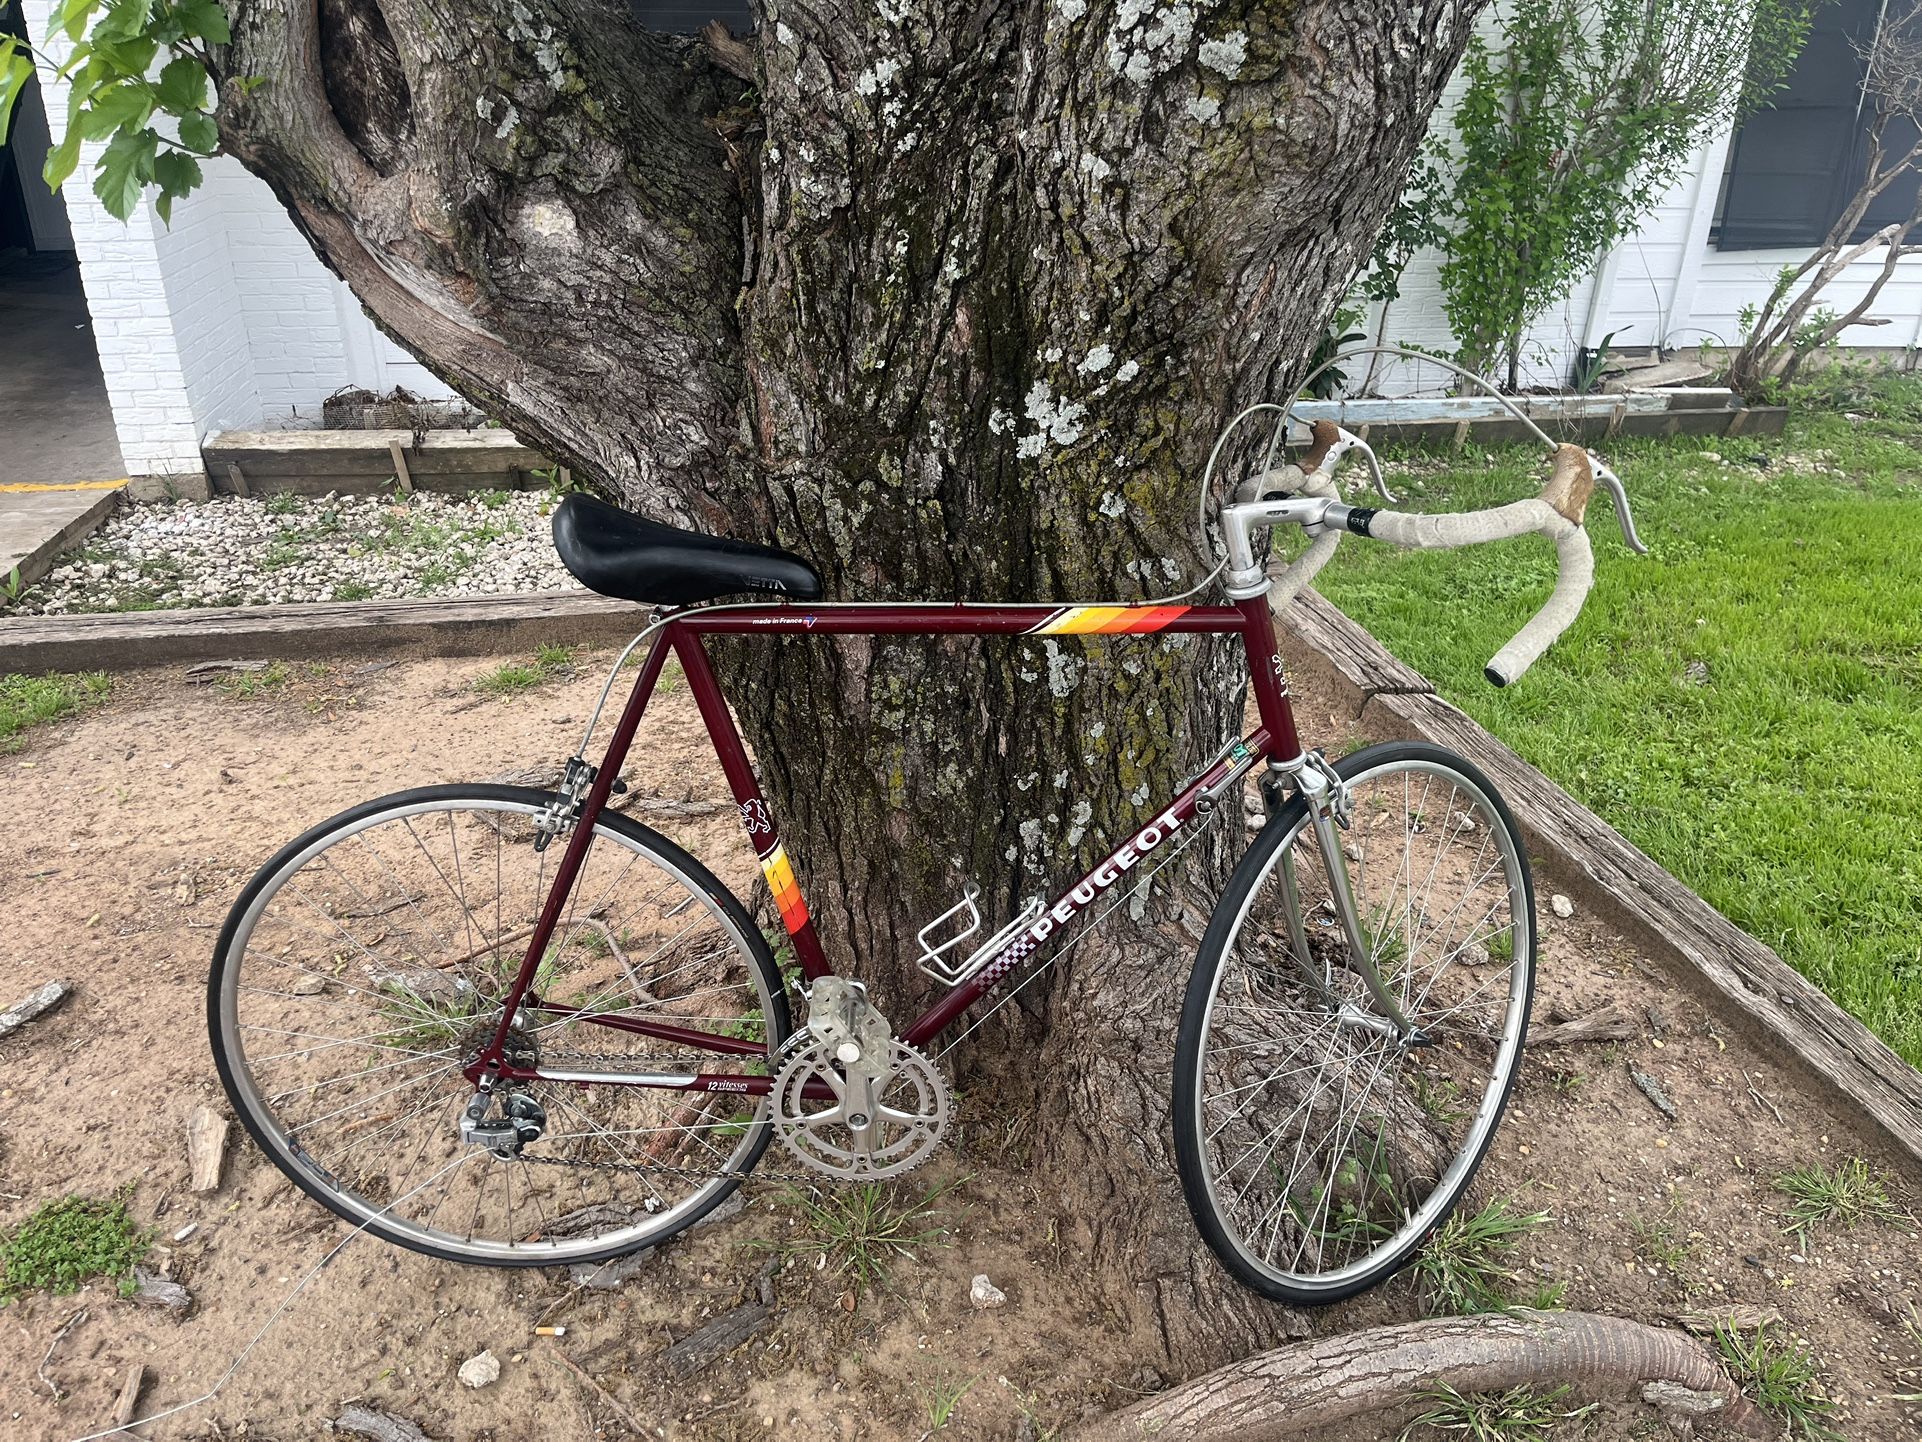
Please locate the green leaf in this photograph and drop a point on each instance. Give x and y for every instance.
(72, 16)
(182, 87)
(198, 132)
(117, 108)
(205, 19)
(16, 69)
(177, 175)
(124, 57)
(61, 160)
(124, 171)
(124, 20)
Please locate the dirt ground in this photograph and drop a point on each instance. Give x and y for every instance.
(134, 827)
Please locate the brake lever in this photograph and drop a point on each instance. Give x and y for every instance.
(1374, 466)
(1618, 494)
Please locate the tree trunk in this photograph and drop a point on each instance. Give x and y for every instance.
(950, 298)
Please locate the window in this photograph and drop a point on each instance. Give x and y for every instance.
(685, 17)
(1793, 167)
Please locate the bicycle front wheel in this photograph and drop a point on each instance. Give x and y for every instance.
(1318, 1142)
(367, 963)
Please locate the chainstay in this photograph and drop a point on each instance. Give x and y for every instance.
(756, 1173)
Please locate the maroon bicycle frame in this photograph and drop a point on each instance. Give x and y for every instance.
(1275, 739)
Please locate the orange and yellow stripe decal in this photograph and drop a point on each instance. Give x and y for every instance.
(787, 895)
(1108, 620)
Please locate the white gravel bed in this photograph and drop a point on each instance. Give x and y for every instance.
(251, 552)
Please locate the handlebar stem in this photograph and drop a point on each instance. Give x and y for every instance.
(1246, 577)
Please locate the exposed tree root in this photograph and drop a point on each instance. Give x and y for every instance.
(1299, 1390)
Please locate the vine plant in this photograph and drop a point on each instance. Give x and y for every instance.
(1578, 116)
(139, 78)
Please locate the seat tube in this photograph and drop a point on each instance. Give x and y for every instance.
(757, 817)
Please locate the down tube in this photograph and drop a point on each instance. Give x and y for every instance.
(757, 817)
(1213, 787)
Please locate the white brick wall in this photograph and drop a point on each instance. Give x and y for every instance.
(224, 320)
(127, 295)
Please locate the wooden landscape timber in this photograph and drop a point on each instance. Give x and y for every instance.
(466, 626)
(1672, 921)
(1457, 420)
(313, 463)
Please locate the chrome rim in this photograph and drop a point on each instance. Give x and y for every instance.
(371, 962)
(1330, 1145)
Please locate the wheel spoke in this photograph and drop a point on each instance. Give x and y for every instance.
(412, 928)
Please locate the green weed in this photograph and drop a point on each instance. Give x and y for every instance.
(255, 685)
(862, 1232)
(1845, 1195)
(30, 701)
(515, 678)
(1782, 1380)
(68, 1243)
(1467, 1266)
(942, 1398)
(1521, 1414)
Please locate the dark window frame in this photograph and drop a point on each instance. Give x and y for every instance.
(1793, 167)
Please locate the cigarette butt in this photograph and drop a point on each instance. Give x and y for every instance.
(550, 1331)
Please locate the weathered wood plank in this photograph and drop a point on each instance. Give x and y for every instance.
(1666, 917)
(1591, 426)
(206, 1148)
(1457, 408)
(352, 452)
(1363, 660)
(700, 1349)
(472, 626)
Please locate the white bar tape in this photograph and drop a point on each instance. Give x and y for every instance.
(1576, 564)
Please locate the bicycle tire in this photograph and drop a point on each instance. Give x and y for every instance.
(1217, 1222)
(731, 919)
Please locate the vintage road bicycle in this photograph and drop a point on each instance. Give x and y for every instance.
(513, 1026)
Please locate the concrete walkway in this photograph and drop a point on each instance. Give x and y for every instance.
(55, 420)
(38, 522)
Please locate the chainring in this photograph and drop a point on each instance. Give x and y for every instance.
(870, 1127)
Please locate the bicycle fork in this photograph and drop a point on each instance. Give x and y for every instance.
(1330, 810)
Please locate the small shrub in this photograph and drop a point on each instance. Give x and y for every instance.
(68, 1243)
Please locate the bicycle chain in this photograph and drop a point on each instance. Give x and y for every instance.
(756, 1173)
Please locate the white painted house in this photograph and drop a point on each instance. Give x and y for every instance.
(227, 321)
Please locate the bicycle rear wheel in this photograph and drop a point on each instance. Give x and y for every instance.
(366, 964)
(1318, 1148)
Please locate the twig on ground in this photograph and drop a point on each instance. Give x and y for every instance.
(58, 1337)
(1652, 1089)
(634, 1423)
(1759, 1099)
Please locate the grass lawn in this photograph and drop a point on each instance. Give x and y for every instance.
(1745, 704)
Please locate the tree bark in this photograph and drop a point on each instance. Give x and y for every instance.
(952, 302)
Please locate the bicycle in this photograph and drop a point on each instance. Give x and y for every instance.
(587, 1062)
